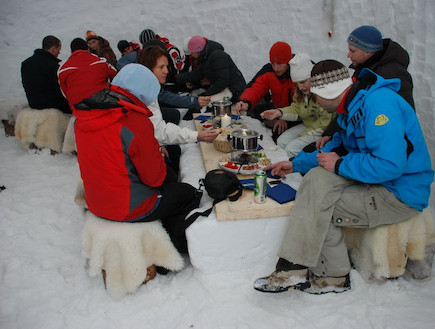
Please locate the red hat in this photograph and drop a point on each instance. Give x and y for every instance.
(280, 52)
(196, 44)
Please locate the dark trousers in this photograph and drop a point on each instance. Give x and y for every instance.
(177, 200)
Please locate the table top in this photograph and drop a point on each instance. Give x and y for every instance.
(245, 207)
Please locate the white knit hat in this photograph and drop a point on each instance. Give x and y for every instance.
(300, 67)
(329, 79)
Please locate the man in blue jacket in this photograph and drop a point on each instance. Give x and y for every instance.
(383, 177)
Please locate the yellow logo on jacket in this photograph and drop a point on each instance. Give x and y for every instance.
(381, 119)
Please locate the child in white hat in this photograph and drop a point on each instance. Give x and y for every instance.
(314, 118)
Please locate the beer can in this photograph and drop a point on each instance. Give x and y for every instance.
(260, 184)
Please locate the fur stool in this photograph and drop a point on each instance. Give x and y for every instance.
(388, 251)
(126, 252)
(41, 128)
(69, 142)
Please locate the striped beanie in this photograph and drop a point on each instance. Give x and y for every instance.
(147, 35)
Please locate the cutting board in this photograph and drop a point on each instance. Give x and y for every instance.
(245, 207)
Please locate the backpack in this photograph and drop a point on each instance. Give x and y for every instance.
(221, 184)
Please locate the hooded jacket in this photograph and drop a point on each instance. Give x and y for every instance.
(384, 141)
(218, 67)
(266, 81)
(119, 158)
(83, 74)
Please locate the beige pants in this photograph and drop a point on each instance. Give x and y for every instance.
(324, 202)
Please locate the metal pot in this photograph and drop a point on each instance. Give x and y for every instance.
(245, 140)
(220, 108)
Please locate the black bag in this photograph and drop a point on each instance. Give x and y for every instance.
(220, 185)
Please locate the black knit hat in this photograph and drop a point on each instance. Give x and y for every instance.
(147, 35)
(122, 45)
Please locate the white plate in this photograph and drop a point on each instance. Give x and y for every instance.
(208, 126)
(245, 170)
(222, 165)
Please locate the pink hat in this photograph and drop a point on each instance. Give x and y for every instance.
(196, 44)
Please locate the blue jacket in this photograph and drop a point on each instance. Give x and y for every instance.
(384, 141)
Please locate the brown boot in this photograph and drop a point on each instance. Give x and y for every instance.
(286, 276)
(323, 285)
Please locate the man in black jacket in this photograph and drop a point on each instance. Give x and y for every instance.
(39, 77)
(385, 57)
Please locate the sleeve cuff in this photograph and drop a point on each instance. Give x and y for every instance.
(337, 165)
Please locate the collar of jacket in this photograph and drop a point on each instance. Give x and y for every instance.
(130, 101)
(47, 54)
(112, 98)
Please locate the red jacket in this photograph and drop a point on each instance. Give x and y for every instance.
(119, 158)
(265, 81)
(82, 75)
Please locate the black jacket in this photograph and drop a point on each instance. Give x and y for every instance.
(218, 67)
(391, 62)
(40, 82)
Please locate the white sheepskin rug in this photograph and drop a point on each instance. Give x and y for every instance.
(125, 251)
(43, 128)
(69, 142)
(388, 251)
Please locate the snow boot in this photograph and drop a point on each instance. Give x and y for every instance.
(322, 285)
(280, 281)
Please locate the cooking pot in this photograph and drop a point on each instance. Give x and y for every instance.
(245, 140)
(220, 108)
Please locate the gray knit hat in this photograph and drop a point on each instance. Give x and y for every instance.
(147, 35)
(367, 38)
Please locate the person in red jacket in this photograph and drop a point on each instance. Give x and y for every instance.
(123, 171)
(83, 73)
(272, 81)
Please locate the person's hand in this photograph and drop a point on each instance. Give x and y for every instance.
(207, 135)
(204, 100)
(241, 107)
(164, 151)
(205, 82)
(280, 168)
(322, 141)
(327, 160)
(280, 126)
(271, 114)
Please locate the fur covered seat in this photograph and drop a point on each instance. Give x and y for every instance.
(41, 128)
(388, 251)
(69, 142)
(125, 251)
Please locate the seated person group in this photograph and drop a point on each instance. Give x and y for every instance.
(354, 137)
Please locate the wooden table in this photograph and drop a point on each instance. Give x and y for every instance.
(245, 207)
